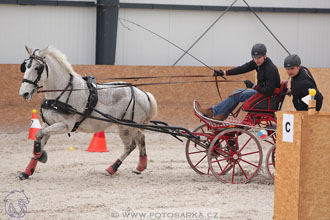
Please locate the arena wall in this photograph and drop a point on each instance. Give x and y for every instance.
(174, 101)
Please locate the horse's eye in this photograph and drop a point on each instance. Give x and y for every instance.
(36, 69)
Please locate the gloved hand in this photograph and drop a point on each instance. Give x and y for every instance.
(249, 84)
(218, 73)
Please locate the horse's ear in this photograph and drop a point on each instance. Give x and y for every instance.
(28, 50)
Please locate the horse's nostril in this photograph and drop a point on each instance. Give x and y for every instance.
(26, 95)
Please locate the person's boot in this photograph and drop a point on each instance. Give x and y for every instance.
(219, 117)
(206, 112)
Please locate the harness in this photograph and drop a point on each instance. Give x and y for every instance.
(65, 108)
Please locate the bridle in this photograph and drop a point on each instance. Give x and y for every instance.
(40, 68)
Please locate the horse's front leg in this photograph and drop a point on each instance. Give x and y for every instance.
(41, 139)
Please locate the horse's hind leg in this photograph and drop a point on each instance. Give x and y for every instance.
(127, 136)
(143, 160)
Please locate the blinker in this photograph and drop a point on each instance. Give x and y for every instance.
(23, 65)
(23, 68)
(41, 69)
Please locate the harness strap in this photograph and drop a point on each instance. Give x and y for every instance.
(133, 109)
(57, 105)
(130, 101)
(92, 100)
(70, 91)
(35, 83)
(145, 93)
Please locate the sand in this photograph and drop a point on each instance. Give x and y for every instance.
(73, 184)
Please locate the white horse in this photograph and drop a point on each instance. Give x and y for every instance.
(49, 68)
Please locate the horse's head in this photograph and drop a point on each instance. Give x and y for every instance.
(33, 69)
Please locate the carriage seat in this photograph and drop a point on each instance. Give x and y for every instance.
(262, 103)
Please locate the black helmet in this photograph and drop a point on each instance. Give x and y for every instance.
(292, 60)
(258, 50)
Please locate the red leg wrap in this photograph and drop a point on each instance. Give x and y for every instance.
(142, 163)
(114, 167)
(110, 170)
(37, 155)
(31, 167)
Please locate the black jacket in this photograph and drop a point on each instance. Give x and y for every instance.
(299, 89)
(267, 75)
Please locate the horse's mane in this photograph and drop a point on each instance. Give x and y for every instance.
(61, 58)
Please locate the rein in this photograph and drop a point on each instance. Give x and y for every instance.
(121, 85)
(153, 77)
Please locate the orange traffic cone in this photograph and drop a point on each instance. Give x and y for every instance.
(98, 143)
(35, 125)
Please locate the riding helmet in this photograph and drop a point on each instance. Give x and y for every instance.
(292, 60)
(258, 50)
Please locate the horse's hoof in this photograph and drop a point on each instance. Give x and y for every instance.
(136, 171)
(23, 176)
(44, 157)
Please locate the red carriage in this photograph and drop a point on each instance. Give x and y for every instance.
(230, 149)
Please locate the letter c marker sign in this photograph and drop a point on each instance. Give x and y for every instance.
(288, 127)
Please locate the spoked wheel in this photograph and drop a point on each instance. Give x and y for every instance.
(196, 153)
(270, 161)
(235, 156)
(270, 158)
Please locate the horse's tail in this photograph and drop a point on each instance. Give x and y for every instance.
(153, 108)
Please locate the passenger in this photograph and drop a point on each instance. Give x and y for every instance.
(301, 81)
(267, 76)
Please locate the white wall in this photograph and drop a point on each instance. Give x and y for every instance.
(70, 29)
(228, 43)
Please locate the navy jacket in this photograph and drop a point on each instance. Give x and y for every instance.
(267, 75)
(299, 89)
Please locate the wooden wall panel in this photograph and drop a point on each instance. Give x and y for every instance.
(302, 179)
(175, 101)
(314, 199)
(286, 192)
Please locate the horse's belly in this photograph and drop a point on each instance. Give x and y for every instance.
(92, 126)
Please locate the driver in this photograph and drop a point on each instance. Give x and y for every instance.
(268, 79)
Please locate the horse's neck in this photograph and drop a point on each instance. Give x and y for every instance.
(58, 79)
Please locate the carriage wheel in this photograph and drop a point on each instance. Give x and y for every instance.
(196, 154)
(270, 158)
(270, 161)
(235, 156)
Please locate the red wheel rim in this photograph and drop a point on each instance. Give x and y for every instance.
(235, 156)
(197, 154)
